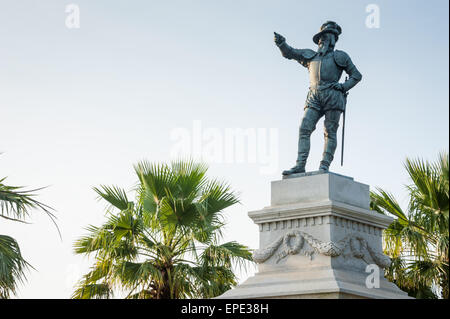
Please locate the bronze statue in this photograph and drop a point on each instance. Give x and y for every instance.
(326, 97)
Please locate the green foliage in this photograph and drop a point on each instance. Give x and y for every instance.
(165, 244)
(418, 239)
(15, 205)
(12, 266)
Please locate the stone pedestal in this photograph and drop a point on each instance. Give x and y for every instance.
(319, 239)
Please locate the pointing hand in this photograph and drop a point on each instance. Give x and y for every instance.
(279, 39)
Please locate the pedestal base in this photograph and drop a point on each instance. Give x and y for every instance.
(319, 239)
(315, 283)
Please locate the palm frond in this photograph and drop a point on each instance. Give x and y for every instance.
(16, 203)
(93, 291)
(114, 195)
(12, 266)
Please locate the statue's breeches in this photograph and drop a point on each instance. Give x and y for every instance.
(325, 100)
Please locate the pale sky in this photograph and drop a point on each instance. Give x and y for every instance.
(79, 107)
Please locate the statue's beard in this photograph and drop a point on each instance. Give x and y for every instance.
(327, 45)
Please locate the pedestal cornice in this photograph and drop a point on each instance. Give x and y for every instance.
(325, 208)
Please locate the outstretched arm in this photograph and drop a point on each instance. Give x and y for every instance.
(287, 51)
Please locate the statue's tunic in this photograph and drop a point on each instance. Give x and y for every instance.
(324, 72)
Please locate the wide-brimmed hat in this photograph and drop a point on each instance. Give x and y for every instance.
(330, 27)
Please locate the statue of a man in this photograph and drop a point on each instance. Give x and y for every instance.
(326, 96)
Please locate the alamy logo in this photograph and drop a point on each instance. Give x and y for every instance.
(373, 279)
(373, 19)
(229, 145)
(73, 17)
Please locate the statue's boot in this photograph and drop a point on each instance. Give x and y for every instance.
(331, 124)
(306, 128)
(325, 162)
(294, 170)
(300, 165)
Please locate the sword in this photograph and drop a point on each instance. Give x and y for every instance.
(343, 126)
(343, 133)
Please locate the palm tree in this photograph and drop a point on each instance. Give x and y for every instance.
(15, 205)
(165, 244)
(418, 239)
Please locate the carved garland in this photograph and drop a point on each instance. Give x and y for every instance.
(294, 241)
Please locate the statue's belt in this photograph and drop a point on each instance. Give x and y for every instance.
(321, 87)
